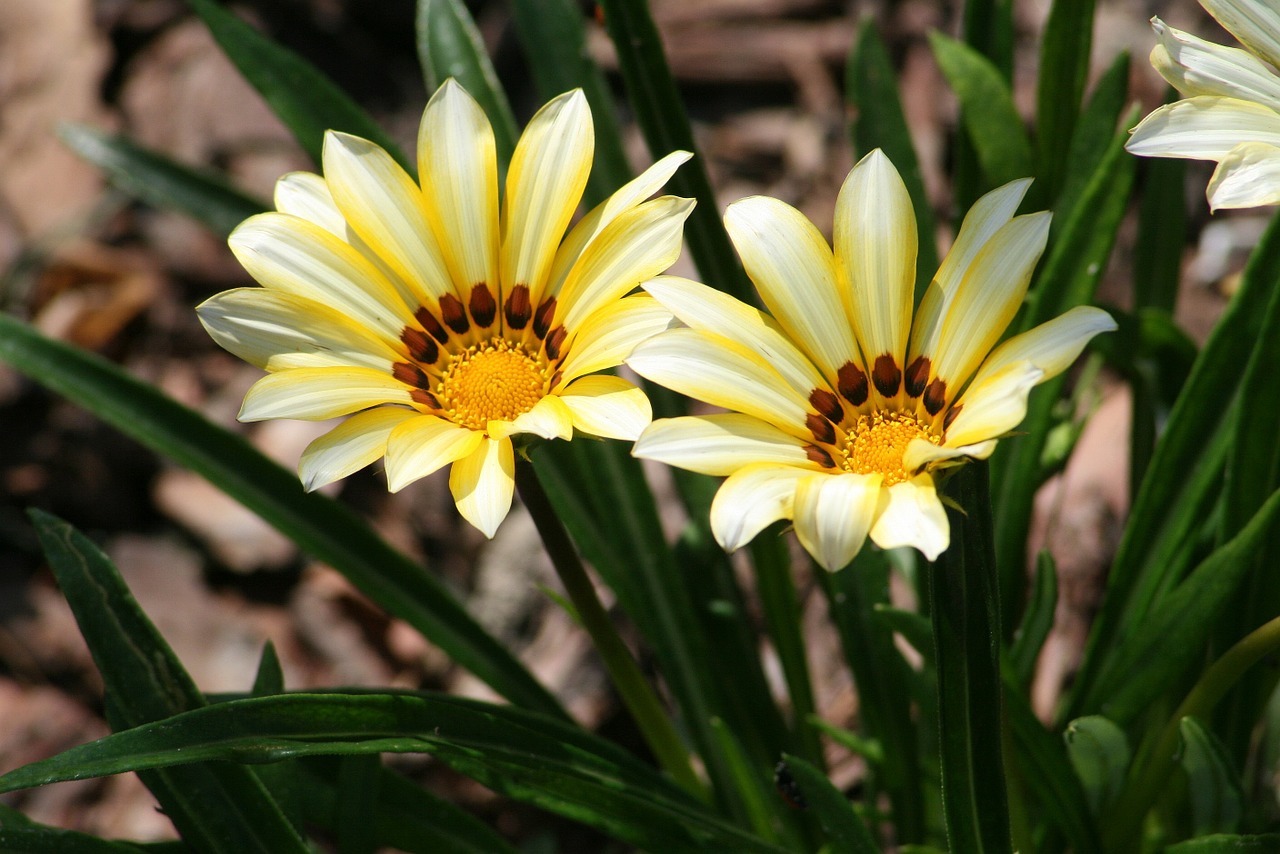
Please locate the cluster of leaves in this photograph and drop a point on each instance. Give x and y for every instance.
(1148, 747)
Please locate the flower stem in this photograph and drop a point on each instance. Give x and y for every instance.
(625, 674)
(964, 588)
(1152, 774)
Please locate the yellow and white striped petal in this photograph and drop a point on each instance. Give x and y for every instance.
(1204, 128)
(610, 334)
(1194, 66)
(1247, 177)
(701, 307)
(483, 483)
(752, 499)
(1052, 346)
(720, 444)
(833, 514)
(419, 446)
(306, 195)
(624, 199)
(636, 246)
(549, 418)
(793, 269)
(276, 331)
(875, 247)
(988, 298)
(383, 205)
(995, 406)
(910, 514)
(544, 183)
(292, 255)
(314, 394)
(458, 168)
(607, 406)
(1254, 23)
(352, 445)
(714, 369)
(921, 454)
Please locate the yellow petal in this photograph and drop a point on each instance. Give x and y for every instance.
(314, 394)
(720, 444)
(483, 484)
(910, 514)
(607, 406)
(422, 445)
(752, 499)
(1255, 23)
(1204, 128)
(352, 445)
(1247, 177)
(833, 514)
(549, 418)
(610, 334)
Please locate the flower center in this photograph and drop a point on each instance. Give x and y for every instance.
(493, 381)
(877, 442)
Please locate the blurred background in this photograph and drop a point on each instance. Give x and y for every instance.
(763, 82)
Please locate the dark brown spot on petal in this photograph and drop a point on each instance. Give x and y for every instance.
(851, 382)
(542, 320)
(555, 380)
(555, 341)
(420, 345)
(935, 396)
(886, 375)
(820, 428)
(828, 404)
(518, 311)
(483, 306)
(434, 328)
(410, 375)
(453, 315)
(951, 416)
(918, 376)
(819, 456)
(425, 398)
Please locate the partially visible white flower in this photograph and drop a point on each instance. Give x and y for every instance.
(1231, 112)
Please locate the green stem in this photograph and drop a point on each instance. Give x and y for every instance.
(635, 691)
(966, 633)
(1152, 774)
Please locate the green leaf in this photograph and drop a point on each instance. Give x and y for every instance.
(539, 23)
(1227, 843)
(913, 627)
(358, 795)
(1064, 67)
(217, 808)
(988, 28)
(846, 834)
(1095, 131)
(527, 756)
(157, 180)
(54, 840)
(660, 112)
(305, 100)
(1100, 754)
(1029, 639)
(869, 749)
(1213, 787)
(1162, 232)
(871, 88)
(990, 117)
(449, 45)
(320, 526)
(750, 786)
(270, 678)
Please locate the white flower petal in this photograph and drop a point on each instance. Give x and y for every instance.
(314, 394)
(750, 500)
(1254, 23)
(306, 195)
(607, 406)
(912, 515)
(1194, 66)
(458, 169)
(1247, 177)
(875, 246)
(794, 271)
(995, 406)
(420, 446)
(544, 183)
(1203, 128)
(352, 445)
(1052, 346)
(483, 484)
(833, 514)
(610, 334)
(549, 418)
(720, 444)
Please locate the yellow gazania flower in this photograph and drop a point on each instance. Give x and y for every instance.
(1231, 113)
(443, 320)
(841, 409)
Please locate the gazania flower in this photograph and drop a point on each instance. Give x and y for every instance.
(842, 409)
(443, 320)
(1231, 113)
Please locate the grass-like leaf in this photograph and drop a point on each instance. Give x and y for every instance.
(846, 834)
(1037, 620)
(1213, 786)
(320, 526)
(1064, 67)
(527, 756)
(306, 100)
(216, 808)
(162, 182)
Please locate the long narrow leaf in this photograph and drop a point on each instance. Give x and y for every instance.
(1064, 67)
(846, 834)
(320, 526)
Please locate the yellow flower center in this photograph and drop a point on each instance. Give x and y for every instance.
(493, 381)
(877, 442)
